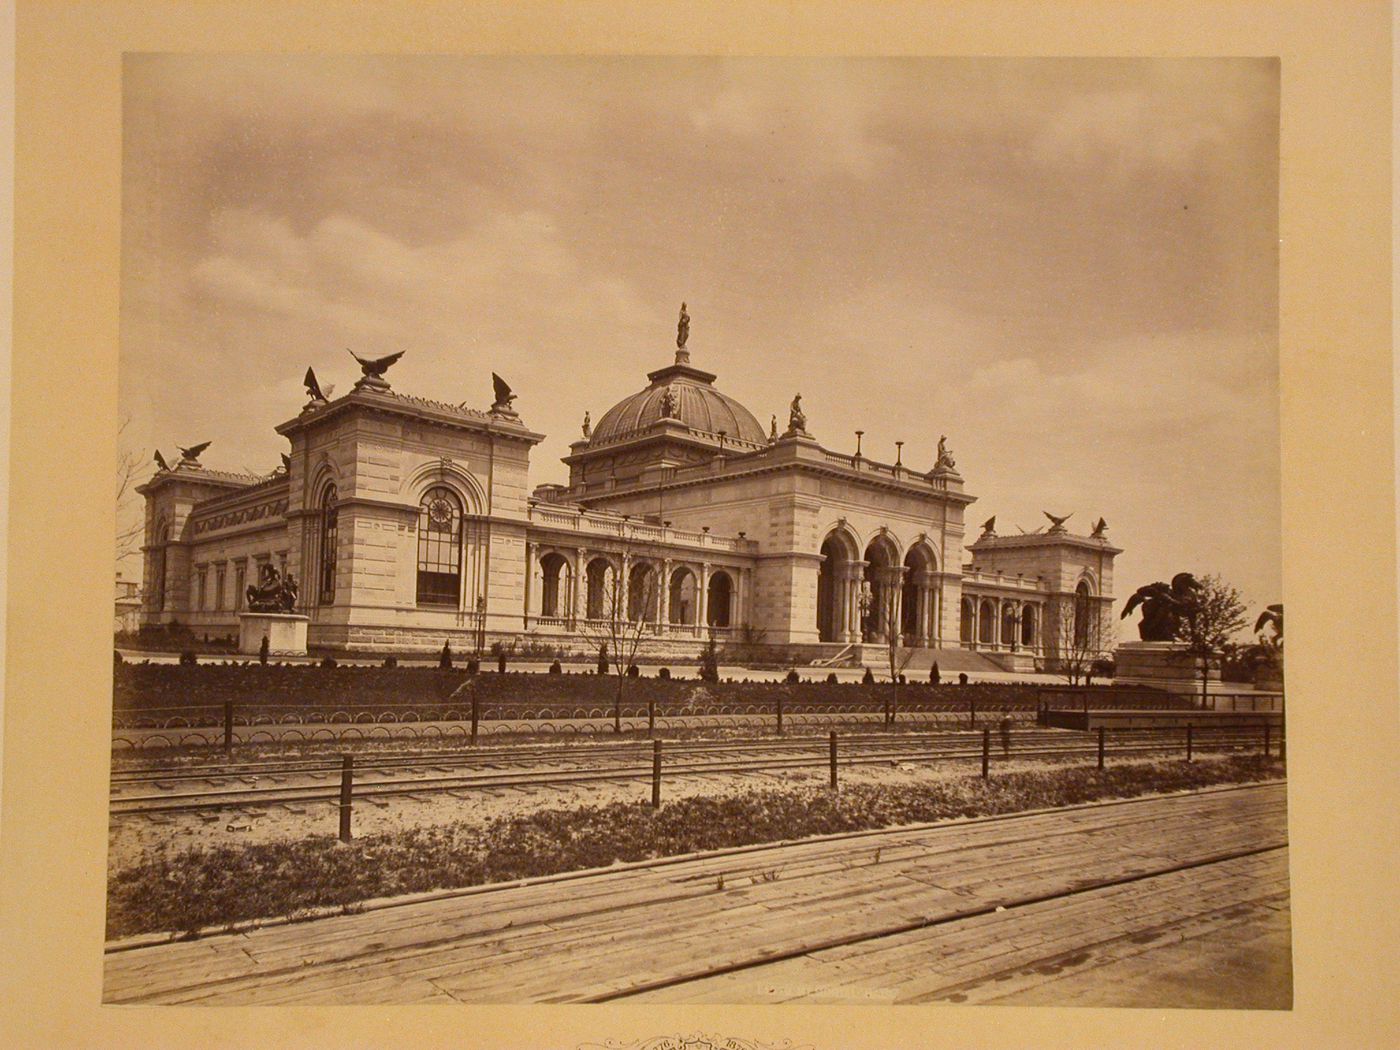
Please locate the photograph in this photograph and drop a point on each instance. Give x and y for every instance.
(699, 530)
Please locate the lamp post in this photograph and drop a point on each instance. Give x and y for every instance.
(859, 435)
(480, 625)
(898, 454)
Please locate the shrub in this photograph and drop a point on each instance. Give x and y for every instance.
(665, 672)
(445, 657)
(868, 678)
(1103, 668)
(500, 658)
(391, 661)
(709, 662)
(263, 650)
(473, 666)
(633, 671)
(831, 678)
(603, 660)
(933, 674)
(962, 678)
(792, 676)
(187, 658)
(554, 668)
(329, 661)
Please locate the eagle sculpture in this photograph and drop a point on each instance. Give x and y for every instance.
(1164, 607)
(286, 462)
(504, 396)
(375, 368)
(313, 388)
(990, 525)
(160, 461)
(1057, 524)
(192, 453)
(1100, 527)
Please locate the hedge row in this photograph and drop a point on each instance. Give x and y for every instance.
(144, 686)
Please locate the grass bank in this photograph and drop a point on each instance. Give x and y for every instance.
(182, 891)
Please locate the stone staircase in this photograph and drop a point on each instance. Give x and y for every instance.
(950, 661)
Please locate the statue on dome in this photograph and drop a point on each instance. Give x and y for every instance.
(773, 430)
(797, 419)
(682, 329)
(945, 458)
(670, 404)
(587, 425)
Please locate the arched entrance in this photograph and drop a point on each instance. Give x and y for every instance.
(554, 589)
(834, 578)
(680, 605)
(882, 576)
(916, 609)
(719, 599)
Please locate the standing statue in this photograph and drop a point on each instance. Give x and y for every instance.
(587, 425)
(797, 419)
(682, 329)
(773, 430)
(945, 458)
(1164, 607)
(669, 404)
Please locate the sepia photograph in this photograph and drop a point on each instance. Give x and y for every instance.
(699, 530)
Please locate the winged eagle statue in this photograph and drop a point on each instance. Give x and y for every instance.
(1057, 524)
(1100, 527)
(504, 395)
(160, 461)
(192, 453)
(374, 369)
(313, 388)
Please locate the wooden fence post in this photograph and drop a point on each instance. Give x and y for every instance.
(1188, 743)
(347, 775)
(656, 774)
(986, 752)
(833, 760)
(1266, 739)
(228, 726)
(972, 712)
(1100, 747)
(780, 710)
(651, 715)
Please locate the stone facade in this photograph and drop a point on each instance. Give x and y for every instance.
(407, 522)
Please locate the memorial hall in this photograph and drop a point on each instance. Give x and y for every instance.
(397, 523)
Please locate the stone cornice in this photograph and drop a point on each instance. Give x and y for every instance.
(416, 408)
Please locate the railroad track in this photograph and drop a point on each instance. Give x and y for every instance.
(241, 787)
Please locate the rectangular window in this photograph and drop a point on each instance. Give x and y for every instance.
(219, 589)
(200, 575)
(239, 576)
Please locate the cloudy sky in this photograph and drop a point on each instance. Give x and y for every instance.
(1067, 266)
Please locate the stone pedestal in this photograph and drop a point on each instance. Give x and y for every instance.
(285, 633)
(1165, 665)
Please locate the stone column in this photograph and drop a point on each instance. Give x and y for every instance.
(578, 610)
(702, 596)
(663, 598)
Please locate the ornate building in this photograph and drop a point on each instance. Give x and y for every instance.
(406, 522)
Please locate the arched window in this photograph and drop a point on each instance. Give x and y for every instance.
(329, 515)
(1082, 613)
(439, 548)
(718, 599)
(601, 600)
(965, 624)
(1028, 625)
(642, 594)
(987, 622)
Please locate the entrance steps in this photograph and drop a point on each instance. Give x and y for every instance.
(950, 661)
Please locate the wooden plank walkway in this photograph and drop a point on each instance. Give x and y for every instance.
(617, 933)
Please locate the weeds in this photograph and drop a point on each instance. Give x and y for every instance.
(187, 890)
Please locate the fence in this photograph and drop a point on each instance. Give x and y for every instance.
(1188, 743)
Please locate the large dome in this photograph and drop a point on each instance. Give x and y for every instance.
(695, 404)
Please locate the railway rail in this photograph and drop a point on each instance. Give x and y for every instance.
(238, 786)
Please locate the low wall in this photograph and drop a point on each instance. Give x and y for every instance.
(433, 693)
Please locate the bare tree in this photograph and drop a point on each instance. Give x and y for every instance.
(897, 655)
(621, 629)
(1213, 614)
(131, 524)
(1080, 633)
